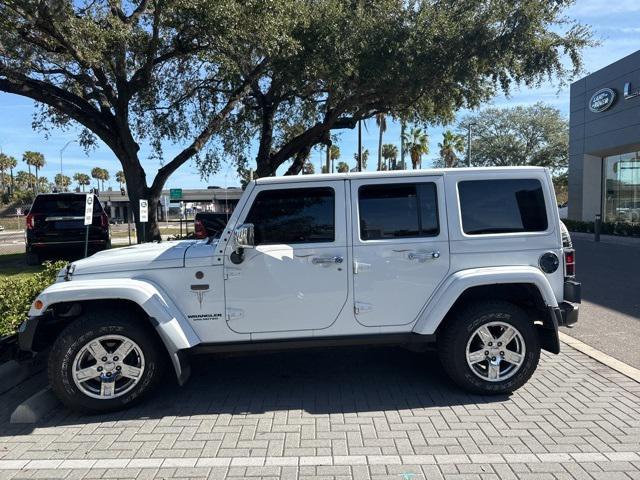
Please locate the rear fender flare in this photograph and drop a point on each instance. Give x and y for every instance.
(456, 284)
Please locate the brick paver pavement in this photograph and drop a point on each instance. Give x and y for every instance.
(353, 413)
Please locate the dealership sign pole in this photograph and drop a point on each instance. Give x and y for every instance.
(144, 216)
(88, 220)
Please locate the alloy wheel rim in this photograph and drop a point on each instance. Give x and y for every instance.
(495, 351)
(108, 367)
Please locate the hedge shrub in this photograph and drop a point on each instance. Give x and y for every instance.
(608, 228)
(17, 294)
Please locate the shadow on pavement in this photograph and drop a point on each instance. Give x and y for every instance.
(318, 382)
(609, 275)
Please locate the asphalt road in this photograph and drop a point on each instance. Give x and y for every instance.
(610, 312)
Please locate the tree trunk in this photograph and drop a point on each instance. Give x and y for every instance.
(380, 149)
(328, 160)
(37, 182)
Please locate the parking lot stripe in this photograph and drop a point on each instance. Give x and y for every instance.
(609, 361)
(446, 459)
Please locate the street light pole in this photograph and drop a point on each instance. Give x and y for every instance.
(469, 125)
(359, 145)
(61, 186)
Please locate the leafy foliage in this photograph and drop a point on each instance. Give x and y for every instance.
(523, 135)
(417, 143)
(17, 294)
(362, 59)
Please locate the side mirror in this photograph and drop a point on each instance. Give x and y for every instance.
(243, 236)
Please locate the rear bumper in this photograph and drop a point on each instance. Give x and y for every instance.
(568, 314)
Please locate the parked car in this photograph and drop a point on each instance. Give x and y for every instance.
(470, 261)
(55, 226)
(210, 224)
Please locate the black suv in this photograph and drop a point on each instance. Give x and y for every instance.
(55, 227)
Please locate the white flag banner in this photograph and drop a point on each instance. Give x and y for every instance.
(144, 211)
(88, 209)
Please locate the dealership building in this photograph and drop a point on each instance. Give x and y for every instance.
(604, 143)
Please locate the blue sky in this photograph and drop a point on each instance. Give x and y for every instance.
(616, 24)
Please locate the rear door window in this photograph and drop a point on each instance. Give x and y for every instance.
(502, 206)
(399, 210)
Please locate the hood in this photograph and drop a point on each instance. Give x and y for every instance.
(136, 257)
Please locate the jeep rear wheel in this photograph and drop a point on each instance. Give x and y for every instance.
(105, 361)
(490, 348)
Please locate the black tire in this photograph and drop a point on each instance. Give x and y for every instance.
(91, 325)
(32, 258)
(452, 346)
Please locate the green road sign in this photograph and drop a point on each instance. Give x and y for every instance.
(175, 194)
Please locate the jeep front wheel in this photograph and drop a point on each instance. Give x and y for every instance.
(103, 362)
(490, 348)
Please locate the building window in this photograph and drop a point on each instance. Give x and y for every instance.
(622, 188)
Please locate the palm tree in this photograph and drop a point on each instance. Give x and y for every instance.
(381, 122)
(82, 179)
(105, 176)
(120, 178)
(417, 143)
(35, 159)
(334, 154)
(11, 164)
(4, 166)
(96, 173)
(308, 168)
(62, 181)
(365, 157)
(390, 155)
(342, 167)
(452, 143)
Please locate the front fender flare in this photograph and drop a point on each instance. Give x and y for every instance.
(456, 284)
(173, 328)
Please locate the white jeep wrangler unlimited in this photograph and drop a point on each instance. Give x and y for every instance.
(473, 261)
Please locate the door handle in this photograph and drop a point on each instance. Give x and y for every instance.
(326, 260)
(423, 256)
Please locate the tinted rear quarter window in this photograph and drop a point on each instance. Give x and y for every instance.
(502, 206)
(63, 205)
(293, 215)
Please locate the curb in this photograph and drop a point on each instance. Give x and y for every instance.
(35, 407)
(12, 373)
(620, 367)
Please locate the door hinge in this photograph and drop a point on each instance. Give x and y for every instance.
(361, 307)
(234, 313)
(360, 267)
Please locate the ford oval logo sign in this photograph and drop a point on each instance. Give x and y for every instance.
(602, 100)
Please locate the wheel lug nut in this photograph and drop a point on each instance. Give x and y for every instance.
(99, 369)
(115, 359)
(493, 359)
(104, 359)
(499, 344)
(502, 354)
(486, 353)
(490, 344)
(108, 374)
(118, 368)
